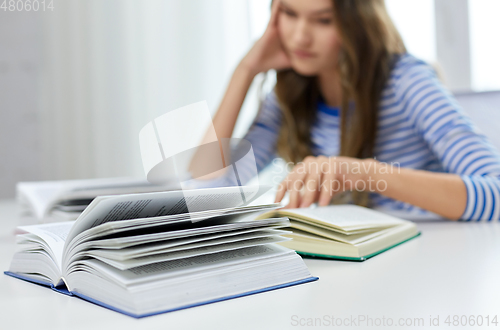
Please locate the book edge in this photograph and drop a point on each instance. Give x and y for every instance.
(363, 258)
(91, 300)
(60, 289)
(248, 293)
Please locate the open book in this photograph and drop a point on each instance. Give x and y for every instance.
(348, 232)
(143, 254)
(66, 199)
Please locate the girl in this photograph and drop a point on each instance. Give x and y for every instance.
(355, 112)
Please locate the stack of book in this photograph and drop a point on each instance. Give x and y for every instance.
(143, 254)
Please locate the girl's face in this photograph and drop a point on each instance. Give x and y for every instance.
(308, 34)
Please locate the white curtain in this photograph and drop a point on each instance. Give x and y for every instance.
(111, 66)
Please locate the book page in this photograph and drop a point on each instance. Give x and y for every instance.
(123, 207)
(165, 246)
(238, 214)
(173, 268)
(128, 241)
(54, 234)
(132, 240)
(320, 231)
(346, 217)
(39, 196)
(133, 226)
(189, 253)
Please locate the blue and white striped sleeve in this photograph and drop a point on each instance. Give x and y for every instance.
(461, 148)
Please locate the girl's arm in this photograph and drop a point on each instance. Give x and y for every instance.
(442, 193)
(320, 178)
(469, 186)
(463, 151)
(266, 54)
(225, 118)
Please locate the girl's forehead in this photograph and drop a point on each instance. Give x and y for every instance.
(309, 7)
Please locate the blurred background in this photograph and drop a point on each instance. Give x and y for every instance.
(80, 78)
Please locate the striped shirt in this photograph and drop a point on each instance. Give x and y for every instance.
(420, 126)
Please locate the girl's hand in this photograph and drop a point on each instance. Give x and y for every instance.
(318, 179)
(267, 53)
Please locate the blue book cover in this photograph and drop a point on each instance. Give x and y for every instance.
(64, 290)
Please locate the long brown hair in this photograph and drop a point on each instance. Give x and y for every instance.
(370, 42)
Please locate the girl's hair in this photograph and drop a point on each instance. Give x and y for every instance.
(370, 42)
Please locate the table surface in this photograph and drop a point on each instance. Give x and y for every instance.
(453, 268)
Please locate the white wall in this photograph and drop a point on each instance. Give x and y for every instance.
(114, 65)
(77, 84)
(19, 116)
(415, 21)
(485, 47)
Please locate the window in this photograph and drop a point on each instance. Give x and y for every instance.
(485, 48)
(415, 21)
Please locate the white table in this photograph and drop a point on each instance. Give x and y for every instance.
(451, 269)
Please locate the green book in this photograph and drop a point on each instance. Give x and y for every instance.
(346, 232)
